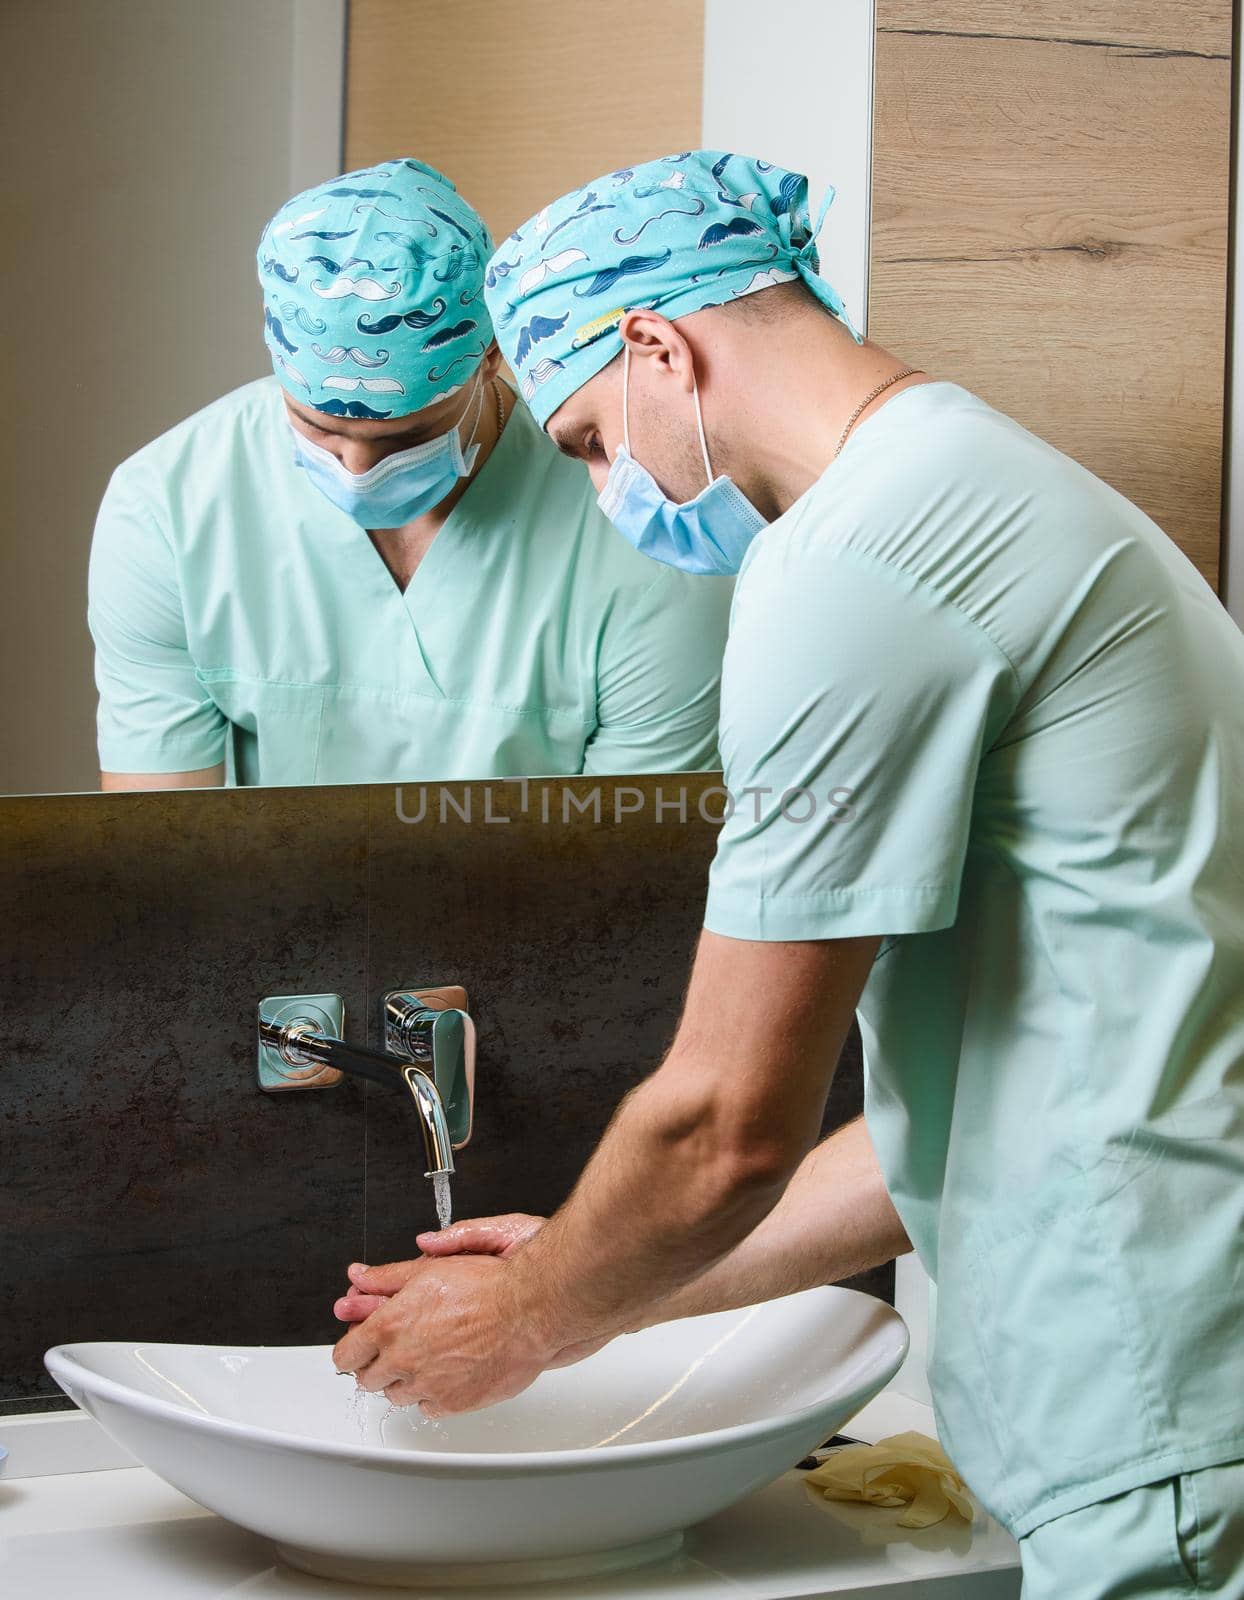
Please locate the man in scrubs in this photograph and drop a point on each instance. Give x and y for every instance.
(983, 724)
(373, 566)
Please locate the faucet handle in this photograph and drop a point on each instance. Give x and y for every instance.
(280, 1065)
(433, 1028)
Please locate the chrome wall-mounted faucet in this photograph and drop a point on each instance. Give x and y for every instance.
(433, 1029)
(430, 1053)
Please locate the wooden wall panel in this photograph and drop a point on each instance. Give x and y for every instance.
(520, 100)
(1049, 228)
(1189, 27)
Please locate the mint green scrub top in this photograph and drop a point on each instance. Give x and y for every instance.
(237, 613)
(976, 702)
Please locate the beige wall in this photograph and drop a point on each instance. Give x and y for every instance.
(519, 102)
(146, 142)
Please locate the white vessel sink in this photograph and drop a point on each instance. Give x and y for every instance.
(593, 1468)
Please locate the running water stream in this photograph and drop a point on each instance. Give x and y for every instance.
(444, 1200)
(360, 1412)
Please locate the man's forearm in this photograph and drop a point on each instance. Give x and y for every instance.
(702, 1150)
(834, 1220)
(652, 1208)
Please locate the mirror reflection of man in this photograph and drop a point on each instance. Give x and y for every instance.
(374, 566)
(1035, 903)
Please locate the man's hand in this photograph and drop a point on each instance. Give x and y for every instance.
(453, 1337)
(370, 1287)
(482, 1236)
(497, 1237)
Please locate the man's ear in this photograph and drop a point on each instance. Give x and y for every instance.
(655, 339)
(491, 364)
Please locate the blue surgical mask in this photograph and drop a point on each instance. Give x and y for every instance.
(709, 534)
(402, 486)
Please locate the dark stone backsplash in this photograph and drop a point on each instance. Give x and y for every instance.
(151, 1191)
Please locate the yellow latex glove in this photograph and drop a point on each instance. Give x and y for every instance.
(908, 1469)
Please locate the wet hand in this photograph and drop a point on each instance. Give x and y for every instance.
(482, 1236)
(370, 1287)
(452, 1338)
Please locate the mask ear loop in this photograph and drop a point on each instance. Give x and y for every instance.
(699, 415)
(479, 411)
(626, 381)
(699, 422)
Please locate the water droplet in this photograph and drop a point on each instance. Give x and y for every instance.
(389, 1413)
(358, 1410)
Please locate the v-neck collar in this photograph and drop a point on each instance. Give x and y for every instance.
(369, 583)
(464, 518)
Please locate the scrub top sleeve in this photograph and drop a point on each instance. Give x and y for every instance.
(855, 709)
(154, 714)
(659, 677)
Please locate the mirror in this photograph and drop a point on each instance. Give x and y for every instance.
(245, 629)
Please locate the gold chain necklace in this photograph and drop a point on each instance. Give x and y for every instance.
(868, 399)
(496, 394)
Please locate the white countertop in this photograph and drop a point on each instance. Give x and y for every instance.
(123, 1534)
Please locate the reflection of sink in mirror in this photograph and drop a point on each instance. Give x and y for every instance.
(595, 1467)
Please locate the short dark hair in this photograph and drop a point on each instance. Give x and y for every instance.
(774, 303)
